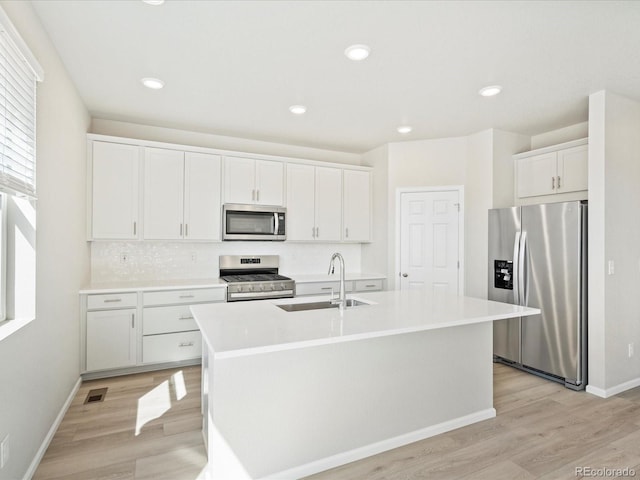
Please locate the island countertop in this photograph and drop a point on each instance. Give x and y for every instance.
(248, 328)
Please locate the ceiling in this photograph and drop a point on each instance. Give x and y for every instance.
(234, 67)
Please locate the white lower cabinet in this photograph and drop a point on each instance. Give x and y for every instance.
(111, 339)
(157, 329)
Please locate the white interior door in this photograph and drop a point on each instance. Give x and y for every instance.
(429, 240)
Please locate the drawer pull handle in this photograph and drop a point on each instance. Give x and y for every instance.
(113, 300)
(185, 318)
(326, 288)
(186, 344)
(369, 286)
(186, 296)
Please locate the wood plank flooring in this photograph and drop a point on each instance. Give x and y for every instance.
(149, 426)
(542, 431)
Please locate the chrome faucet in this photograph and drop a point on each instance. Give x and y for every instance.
(342, 299)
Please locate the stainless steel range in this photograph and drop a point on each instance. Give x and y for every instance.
(254, 278)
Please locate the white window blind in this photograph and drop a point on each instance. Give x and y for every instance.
(17, 119)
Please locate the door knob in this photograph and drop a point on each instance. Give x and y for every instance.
(405, 274)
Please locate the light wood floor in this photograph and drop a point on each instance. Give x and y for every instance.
(542, 431)
(147, 427)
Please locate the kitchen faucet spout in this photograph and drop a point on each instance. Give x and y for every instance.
(342, 299)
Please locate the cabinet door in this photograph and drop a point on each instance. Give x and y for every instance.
(202, 196)
(536, 175)
(328, 204)
(269, 183)
(111, 339)
(300, 202)
(573, 169)
(163, 194)
(239, 180)
(357, 206)
(114, 191)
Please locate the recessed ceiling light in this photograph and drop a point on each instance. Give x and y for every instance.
(490, 91)
(153, 2)
(357, 52)
(404, 129)
(297, 109)
(153, 83)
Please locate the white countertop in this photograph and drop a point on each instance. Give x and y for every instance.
(248, 328)
(151, 285)
(323, 277)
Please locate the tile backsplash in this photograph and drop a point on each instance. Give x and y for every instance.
(140, 261)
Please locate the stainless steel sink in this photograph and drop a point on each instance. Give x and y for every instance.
(300, 307)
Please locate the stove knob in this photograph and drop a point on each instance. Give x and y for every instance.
(262, 287)
(249, 288)
(282, 286)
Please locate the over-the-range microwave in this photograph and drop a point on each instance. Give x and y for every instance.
(253, 222)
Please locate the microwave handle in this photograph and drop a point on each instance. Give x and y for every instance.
(277, 223)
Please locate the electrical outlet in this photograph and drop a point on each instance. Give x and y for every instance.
(194, 257)
(611, 267)
(4, 451)
(124, 257)
(630, 350)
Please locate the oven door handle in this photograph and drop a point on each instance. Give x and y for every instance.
(277, 223)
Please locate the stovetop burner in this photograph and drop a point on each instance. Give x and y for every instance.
(254, 277)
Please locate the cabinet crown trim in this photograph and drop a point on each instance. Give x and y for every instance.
(552, 148)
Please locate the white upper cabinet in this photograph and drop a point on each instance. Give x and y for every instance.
(301, 222)
(114, 191)
(181, 195)
(552, 170)
(314, 203)
(252, 181)
(163, 194)
(202, 184)
(328, 204)
(357, 206)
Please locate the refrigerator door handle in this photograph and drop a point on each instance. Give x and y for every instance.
(524, 291)
(516, 269)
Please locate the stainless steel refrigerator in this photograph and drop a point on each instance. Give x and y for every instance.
(538, 258)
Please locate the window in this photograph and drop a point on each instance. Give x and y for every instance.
(19, 72)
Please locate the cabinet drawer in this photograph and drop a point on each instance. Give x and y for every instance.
(167, 320)
(171, 347)
(367, 285)
(196, 295)
(111, 300)
(321, 288)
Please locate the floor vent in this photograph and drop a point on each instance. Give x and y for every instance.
(96, 395)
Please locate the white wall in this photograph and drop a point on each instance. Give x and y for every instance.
(40, 362)
(614, 235)
(374, 255)
(170, 135)
(561, 135)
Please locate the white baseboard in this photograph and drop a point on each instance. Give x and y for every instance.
(379, 447)
(52, 431)
(610, 392)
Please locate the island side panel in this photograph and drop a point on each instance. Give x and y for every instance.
(309, 409)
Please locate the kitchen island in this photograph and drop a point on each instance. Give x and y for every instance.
(291, 393)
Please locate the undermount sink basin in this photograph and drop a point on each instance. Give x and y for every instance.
(300, 307)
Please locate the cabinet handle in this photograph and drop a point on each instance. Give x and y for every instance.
(313, 232)
(347, 232)
(369, 286)
(558, 181)
(253, 195)
(186, 229)
(135, 225)
(180, 229)
(326, 288)
(257, 195)
(317, 232)
(186, 344)
(113, 300)
(133, 320)
(185, 318)
(553, 183)
(186, 296)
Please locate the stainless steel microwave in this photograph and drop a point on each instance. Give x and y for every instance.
(253, 222)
